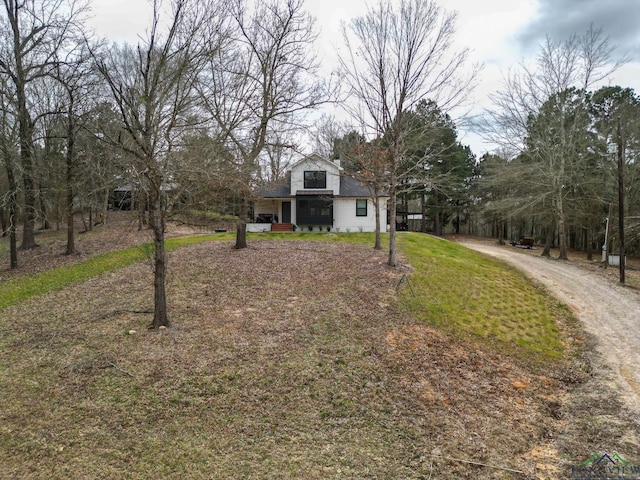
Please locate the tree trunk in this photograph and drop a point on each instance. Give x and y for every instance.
(423, 211)
(546, 251)
(71, 245)
(562, 233)
(105, 204)
(25, 129)
(84, 222)
(160, 317)
(142, 207)
(3, 222)
(501, 227)
(376, 206)
(28, 227)
(71, 242)
(393, 260)
(44, 213)
(241, 229)
(13, 207)
(405, 210)
(13, 240)
(241, 235)
(533, 227)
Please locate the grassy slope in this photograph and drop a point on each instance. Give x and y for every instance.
(21, 289)
(467, 293)
(455, 288)
(326, 393)
(451, 287)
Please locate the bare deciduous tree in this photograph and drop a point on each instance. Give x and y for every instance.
(325, 132)
(74, 77)
(542, 110)
(8, 156)
(152, 86)
(259, 84)
(35, 30)
(396, 55)
(367, 163)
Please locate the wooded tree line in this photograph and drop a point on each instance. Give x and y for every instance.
(185, 113)
(538, 192)
(556, 179)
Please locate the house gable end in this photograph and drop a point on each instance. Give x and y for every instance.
(315, 173)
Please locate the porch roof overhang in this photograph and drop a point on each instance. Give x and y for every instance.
(276, 197)
(314, 193)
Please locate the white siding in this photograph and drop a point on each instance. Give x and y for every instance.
(344, 208)
(345, 219)
(314, 163)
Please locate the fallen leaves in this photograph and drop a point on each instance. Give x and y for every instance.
(287, 359)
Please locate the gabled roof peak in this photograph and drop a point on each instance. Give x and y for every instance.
(316, 157)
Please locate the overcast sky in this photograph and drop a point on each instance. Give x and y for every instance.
(500, 33)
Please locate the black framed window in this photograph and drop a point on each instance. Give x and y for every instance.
(315, 179)
(361, 208)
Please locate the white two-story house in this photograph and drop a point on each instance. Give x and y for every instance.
(316, 193)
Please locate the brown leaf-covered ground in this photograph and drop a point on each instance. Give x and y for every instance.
(118, 232)
(284, 360)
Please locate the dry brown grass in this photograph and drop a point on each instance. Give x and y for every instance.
(285, 360)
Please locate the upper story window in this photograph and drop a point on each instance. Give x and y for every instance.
(315, 179)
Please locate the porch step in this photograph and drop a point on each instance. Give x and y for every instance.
(281, 227)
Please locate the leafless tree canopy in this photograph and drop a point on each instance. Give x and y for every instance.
(581, 61)
(33, 35)
(153, 88)
(396, 55)
(259, 84)
(541, 112)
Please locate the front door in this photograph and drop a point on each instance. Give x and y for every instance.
(286, 212)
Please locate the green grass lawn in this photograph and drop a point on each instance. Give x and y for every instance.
(450, 287)
(20, 289)
(467, 293)
(278, 375)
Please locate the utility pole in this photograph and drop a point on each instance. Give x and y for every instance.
(621, 200)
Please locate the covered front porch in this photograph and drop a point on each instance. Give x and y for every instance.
(272, 215)
(281, 214)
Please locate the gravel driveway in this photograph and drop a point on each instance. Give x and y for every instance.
(610, 312)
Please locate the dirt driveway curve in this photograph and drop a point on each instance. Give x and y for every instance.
(609, 312)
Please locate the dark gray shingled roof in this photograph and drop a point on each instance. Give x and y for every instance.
(349, 187)
(277, 189)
